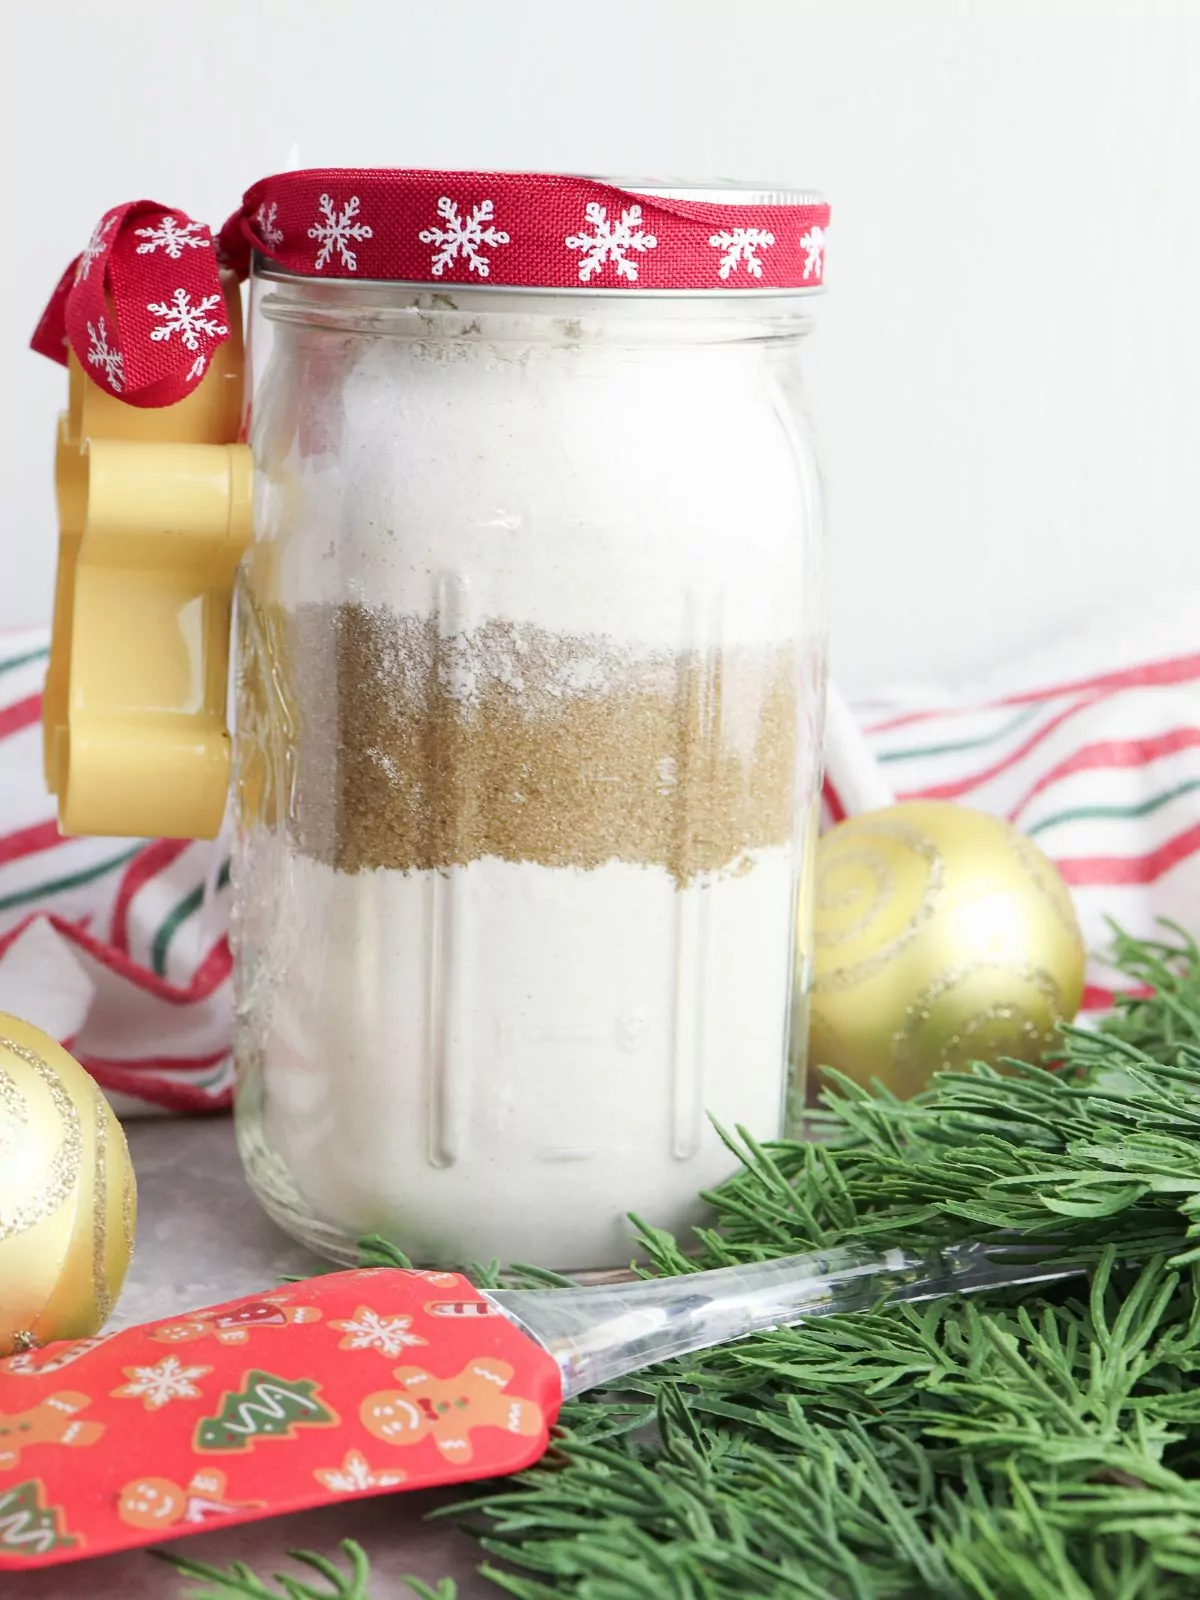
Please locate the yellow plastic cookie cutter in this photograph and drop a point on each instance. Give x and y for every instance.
(154, 510)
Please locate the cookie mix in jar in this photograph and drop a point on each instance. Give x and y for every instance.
(529, 656)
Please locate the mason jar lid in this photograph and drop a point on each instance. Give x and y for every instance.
(533, 230)
(720, 191)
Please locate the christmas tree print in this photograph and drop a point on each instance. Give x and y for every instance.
(265, 1407)
(27, 1525)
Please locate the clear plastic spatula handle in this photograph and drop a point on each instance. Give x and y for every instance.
(600, 1333)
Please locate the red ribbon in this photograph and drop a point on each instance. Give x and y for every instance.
(141, 306)
(143, 310)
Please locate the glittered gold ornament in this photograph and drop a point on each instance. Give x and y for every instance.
(942, 936)
(68, 1201)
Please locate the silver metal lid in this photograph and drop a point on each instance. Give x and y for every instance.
(718, 191)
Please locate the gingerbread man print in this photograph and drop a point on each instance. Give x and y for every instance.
(159, 1503)
(52, 1421)
(446, 1410)
(235, 1327)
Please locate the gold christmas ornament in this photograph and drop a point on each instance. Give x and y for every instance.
(68, 1201)
(942, 936)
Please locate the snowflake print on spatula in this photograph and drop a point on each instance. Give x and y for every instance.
(167, 1380)
(367, 1330)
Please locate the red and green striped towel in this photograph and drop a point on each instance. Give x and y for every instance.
(119, 949)
(1092, 748)
(115, 946)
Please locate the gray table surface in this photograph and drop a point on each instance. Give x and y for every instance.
(202, 1239)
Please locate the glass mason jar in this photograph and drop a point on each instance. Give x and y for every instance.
(530, 661)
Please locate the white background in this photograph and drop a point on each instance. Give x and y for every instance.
(1006, 370)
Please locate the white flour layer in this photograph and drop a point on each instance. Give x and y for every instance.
(504, 1059)
(660, 497)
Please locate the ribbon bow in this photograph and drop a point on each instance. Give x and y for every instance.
(141, 306)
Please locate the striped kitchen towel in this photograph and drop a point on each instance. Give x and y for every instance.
(1091, 747)
(117, 947)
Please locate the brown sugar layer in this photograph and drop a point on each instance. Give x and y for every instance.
(377, 740)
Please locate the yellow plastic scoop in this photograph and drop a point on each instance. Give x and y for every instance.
(154, 510)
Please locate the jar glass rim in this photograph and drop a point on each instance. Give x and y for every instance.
(386, 307)
(264, 268)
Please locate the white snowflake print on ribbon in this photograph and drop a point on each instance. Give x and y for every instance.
(191, 322)
(101, 354)
(355, 1475)
(335, 229)
(610, 241)
(463, 237)
(265, 217)
(93, 249)
(167, 235)
(741, 244)
(158, 1385)
(813, 245)
(367, 1330)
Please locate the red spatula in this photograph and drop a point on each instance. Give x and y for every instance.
(360, 1383)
